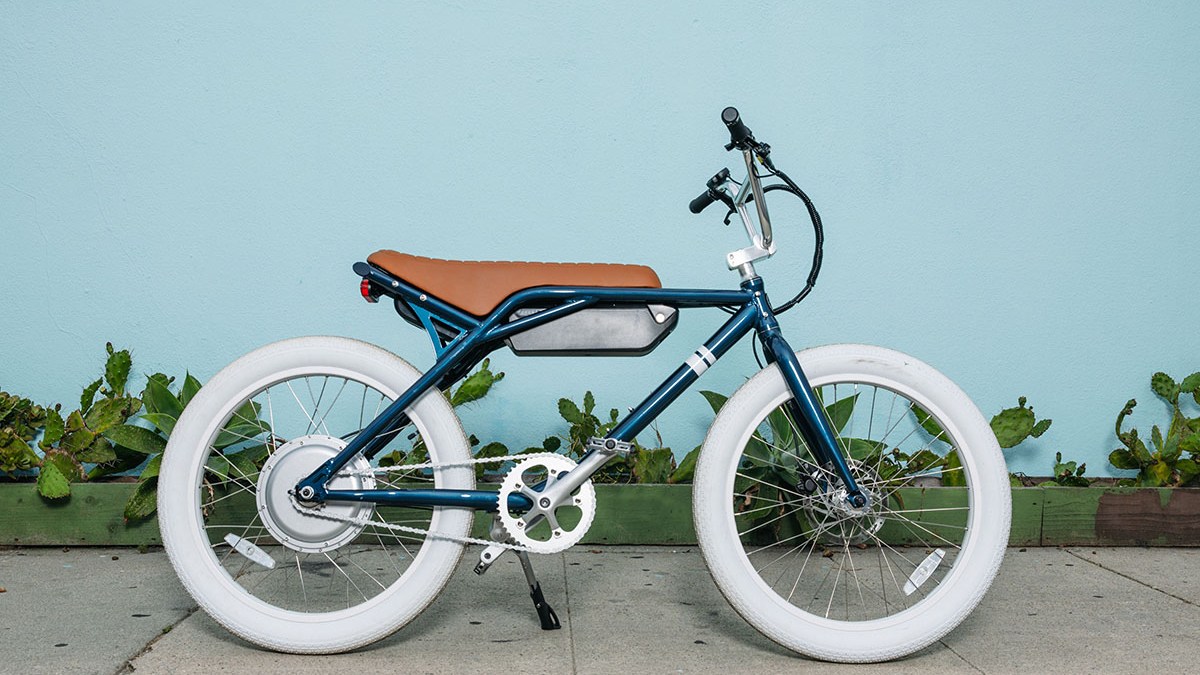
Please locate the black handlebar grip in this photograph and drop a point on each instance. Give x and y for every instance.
(700, 203)
(738, 133)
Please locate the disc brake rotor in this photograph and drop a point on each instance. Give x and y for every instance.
(835, 521)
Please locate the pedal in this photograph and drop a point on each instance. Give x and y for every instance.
(487, 557)
(544, 611)
(492, 553)
(610, 446)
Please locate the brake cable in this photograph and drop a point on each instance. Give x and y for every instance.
(818, 229)
(742, 138)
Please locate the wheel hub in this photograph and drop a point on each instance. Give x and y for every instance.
(305, 526)
(853, 524)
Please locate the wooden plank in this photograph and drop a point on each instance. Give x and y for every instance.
(1069, 516)
(92, 516)
(1121, 517)
(662, 514)
(1027, 504)
(643, 514)
(1161, 517)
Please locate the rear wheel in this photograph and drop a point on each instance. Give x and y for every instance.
(812, 572)
(299, 577)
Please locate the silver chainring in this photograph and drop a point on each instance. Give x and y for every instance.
(528, 529)
(364, 470)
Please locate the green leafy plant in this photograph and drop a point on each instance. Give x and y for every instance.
(643, 465)
(20, 420)
(67, 444)
(1163, 463)
(769, 475)
(685, 471)
(1068, 474)
(583, 425)
(1013, 426)
(474, 387)
(241, 447)
(771, 470)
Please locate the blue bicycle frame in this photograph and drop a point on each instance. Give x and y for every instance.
(476, 338)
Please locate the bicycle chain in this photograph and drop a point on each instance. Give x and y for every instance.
(363, 522)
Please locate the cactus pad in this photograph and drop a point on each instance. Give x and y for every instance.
(1165, 387)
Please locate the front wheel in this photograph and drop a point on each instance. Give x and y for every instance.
(812, 572)
(295, 576)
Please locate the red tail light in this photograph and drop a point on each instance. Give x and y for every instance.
(365, 289)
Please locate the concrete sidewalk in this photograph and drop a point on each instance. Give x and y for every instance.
(636, 610)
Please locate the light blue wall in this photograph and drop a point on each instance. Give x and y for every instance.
(1009, 189)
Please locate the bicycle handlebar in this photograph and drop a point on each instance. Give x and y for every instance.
(741, 138)
(739, 133)
(702, 202)
(711, 194)
(720, 186)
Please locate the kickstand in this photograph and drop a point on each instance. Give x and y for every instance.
(545, 613)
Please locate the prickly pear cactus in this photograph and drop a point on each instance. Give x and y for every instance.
(78, 438)
(20, 419)
(1013, 425)
(1165, 387)
(1069, 474)
(1162, 463)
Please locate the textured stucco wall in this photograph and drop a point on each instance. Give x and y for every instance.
(1009, 189)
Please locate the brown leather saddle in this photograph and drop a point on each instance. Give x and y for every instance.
(479, 287)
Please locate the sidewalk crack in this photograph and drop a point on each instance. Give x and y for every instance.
(128, 666)
(960, 656)
(1136, 581)
(570, 624)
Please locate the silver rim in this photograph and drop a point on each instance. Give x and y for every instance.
(843, 564)
(294, 556)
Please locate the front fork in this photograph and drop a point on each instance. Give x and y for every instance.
(811, 420)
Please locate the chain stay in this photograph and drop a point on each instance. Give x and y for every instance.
(364, 522)
(445, 465)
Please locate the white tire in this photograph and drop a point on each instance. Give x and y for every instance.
(832, 584)
(334, 586)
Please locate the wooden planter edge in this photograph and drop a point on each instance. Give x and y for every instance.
(657, 515)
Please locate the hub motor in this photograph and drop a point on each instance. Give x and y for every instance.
(303, 526)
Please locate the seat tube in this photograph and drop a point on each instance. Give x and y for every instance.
(810, 415)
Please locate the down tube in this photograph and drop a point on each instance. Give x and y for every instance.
(689, 372)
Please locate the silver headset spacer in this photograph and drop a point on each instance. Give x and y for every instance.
(557, 537)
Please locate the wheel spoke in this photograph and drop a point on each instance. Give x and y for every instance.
(790, 528)
(323, 565)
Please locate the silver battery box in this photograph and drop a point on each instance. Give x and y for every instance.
(602, 331)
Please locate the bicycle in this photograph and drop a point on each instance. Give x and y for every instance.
(317, 493)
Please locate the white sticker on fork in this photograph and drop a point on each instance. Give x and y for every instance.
(921, 574)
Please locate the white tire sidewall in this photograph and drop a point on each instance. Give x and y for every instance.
(885, 638)
(182, 526)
